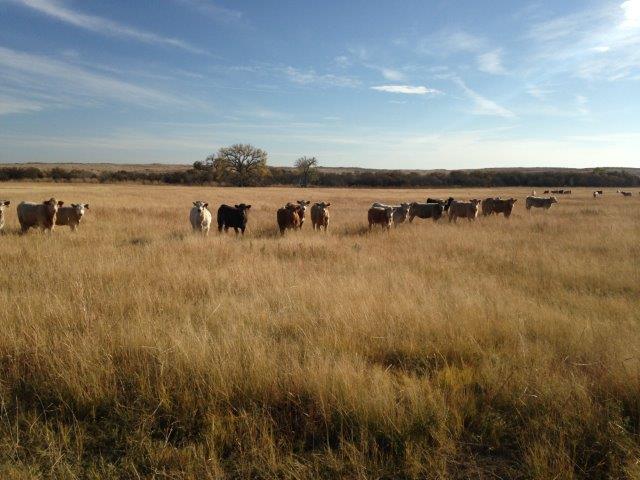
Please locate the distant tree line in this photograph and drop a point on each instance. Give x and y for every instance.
(245, 165)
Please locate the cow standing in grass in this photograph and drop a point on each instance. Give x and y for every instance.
(301, 211)
(71, 216)
(625, 194)
(320, 215)
(498, 206)
(40, 215)
(445, 203)
(382, 216)
(540, 202)
(235, 217)
(468, 210)
(200, 217)
(400, 212)
(290, 217)
(3, 204)
(426, 210)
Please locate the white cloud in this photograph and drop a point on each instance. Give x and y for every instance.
(406, 89)
(13, 105)
(101, 25)
(342, 61)
(631, 9)
(483, 105)
(57, 83)
(212, 10)
(538, 92)
(447, 42)
(491, 62)
(310, 77)
(391, 74)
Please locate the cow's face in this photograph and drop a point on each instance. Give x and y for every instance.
(475, 202)
(200, 206)
(3, 205)
(244, 208)
(52, 205)
(79, 208)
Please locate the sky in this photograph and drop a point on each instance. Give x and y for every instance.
(415, 84)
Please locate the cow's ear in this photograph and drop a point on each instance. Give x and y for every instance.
(307, 202)
(195, 204)
(327, 204)
(86, 205)
(237, 206)
(247, 207)
(206, 205)
(60, 203)
(7, 203)
(74, 205)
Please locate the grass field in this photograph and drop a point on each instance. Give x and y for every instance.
(493, 349)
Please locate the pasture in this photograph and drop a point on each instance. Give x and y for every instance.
(498, 348)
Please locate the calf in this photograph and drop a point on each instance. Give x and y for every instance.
(400, 212)
(445, 203)
(426, 210)
(320, 215)
(233, 217)
(200, 217)
(382, 216)
(540, 202)
(41, 215)
(498, 206)
(3, 205)
(468, 210)
(72, 215)
(290, 216)
(303, 208)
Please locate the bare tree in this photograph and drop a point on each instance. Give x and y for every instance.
(241, 164)
(307, 168)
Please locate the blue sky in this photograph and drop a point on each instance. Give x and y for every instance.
(380, 84)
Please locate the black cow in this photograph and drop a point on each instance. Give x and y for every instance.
(444, 203)
(425, 210)
(233, 217)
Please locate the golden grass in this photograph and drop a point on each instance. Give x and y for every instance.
(494, 349)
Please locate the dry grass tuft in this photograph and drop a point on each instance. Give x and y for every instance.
(500, 348)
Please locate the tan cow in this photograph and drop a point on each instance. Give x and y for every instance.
(468, 210)
(3, 205)
(382, 216)
(320, 215)
(71, 216)
(41, 215)
(302, 210)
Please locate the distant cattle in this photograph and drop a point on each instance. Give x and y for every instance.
(625, 194)
(540, 202)
(382, 216)
(426, 210)
(71, 216)
(566, 192)
(444, 203)
(3, 205)
(320, 215)
(533, 193)
(289, 217)
(546, 191)
(600, 192)
(400, 212)
(468, 210)
(497, 206)
(235, 217)
(596, 194)
(200, 217)
(40, 215)
(303, 209)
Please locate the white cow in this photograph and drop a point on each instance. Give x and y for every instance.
(200, 217)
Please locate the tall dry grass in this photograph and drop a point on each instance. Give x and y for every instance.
(498, 349)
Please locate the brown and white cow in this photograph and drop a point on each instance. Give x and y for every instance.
(498, 206)
(540, 202)
(382, 216)
(302, 211)
(468, 210)
(320, 215)
(289, 217)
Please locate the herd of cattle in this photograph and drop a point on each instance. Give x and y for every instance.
(51, 212)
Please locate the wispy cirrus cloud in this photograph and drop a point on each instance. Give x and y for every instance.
(36, 82)
(406, 89)
(491, 62)
(311, 77)
(483, 105)
(213, 10)
(103, 26)
(447, 41)
(11, 105)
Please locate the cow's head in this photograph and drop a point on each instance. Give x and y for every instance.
(3, 205)
(243, 207)
(79, 208)
(447, 204)
(200, 206)
(52, 205)
(322, 205)
(475, 201)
